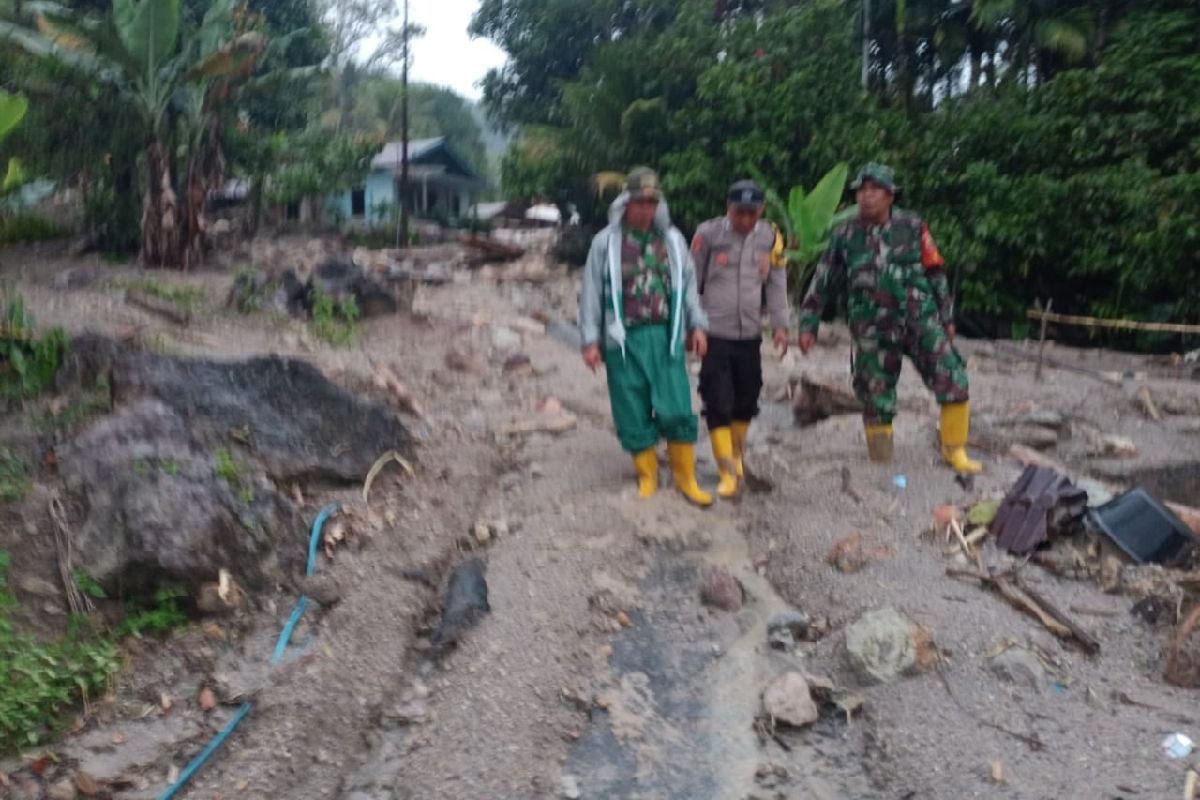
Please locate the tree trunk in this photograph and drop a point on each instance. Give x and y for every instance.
(976, 69)
(160, 211)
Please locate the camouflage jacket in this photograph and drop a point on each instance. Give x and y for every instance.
(893, 268)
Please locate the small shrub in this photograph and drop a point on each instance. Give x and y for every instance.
(334, 322)
(27, 228)
(40, 681)
(162, 615)
(225, 467)
(14, 476)
(28, 363)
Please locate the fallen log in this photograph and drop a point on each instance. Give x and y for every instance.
(1187, 515)
(165, 310)
(1024, 599)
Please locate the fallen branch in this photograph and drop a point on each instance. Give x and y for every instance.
(848, 488)
(164, 310)
(380, 463)
(1024, 599)
(1032, 740)
(1094, 612)
(1148, 405)
(1111, 378)
(1090, 643)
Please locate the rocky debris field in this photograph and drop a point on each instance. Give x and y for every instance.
(500, 616)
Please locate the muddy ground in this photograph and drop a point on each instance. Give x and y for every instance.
(598, 673)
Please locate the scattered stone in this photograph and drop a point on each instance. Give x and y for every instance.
(1117, 446)
(771, 776)
(413, 712)
(482, 533)
(623, 619)
(1021, 667)
(786, 628)
(722, 590)
(461, 360)
(852, 553)
(39, 587)
(505, 340)
(570, 787)
(789, 700)
(207, 700)
(62, 790)
(465, 602)
(882, 646)
(220, 598)
(518, 364)
(86, 784)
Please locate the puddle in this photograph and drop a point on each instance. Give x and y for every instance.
(686, 689)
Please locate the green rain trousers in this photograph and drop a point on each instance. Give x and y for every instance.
(649, 390)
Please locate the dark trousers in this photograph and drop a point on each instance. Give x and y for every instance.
(730, 381)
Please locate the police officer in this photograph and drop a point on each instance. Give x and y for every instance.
(739, 259)
(899, 304)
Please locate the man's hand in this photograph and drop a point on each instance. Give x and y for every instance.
(698, 343)
(807, 340)
(780, 337)
(950, 331)
(591, 356)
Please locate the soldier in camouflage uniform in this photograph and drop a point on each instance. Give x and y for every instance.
(638, 309)
(898, 303)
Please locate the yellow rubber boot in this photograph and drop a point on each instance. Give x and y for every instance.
(683, 467)
(722, 445)
(879, 443)
(739, 431)
(956, 423)
(646, 464)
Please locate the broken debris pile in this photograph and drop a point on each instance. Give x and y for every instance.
(1041, 505)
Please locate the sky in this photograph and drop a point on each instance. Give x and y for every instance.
(446, 54)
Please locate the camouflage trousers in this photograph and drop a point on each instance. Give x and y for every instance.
(880, 344)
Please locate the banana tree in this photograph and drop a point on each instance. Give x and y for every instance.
(12, 109)
(136, 49)
(807, 219)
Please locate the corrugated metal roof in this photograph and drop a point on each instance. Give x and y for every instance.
(1039, 505)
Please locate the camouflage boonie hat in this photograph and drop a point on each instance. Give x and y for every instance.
(642, 184)
(878, 173)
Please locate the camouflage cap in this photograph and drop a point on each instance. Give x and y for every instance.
(877, 173)
(746, 193)
(642, 184)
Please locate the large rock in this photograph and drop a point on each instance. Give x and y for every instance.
(722, 590)
(157, 511)
(882, 646)
(1021, 667)
(296, 423)
(180, 481)
(789, 700)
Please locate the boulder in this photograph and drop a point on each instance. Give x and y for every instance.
(722, 590)
(179, 481)
(883, 645)
(1021, 667)
(789, 700)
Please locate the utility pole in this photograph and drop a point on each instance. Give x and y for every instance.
(402, 231)
(866, 42)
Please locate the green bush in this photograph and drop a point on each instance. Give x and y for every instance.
(26, 228)
(41, 681)
(28, 362)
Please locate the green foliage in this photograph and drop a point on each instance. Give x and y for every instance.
(159, 614)
(185, 296)
(40, 681)
(27, 228)
(315, 162)
(334, 322)
(88, 585)
(12, 110)
(28, 362)
(93, 402)
(1051, 147)
(14, 476)
(224, 467)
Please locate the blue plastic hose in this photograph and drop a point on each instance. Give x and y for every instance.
(199, 760)
(280, 646)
